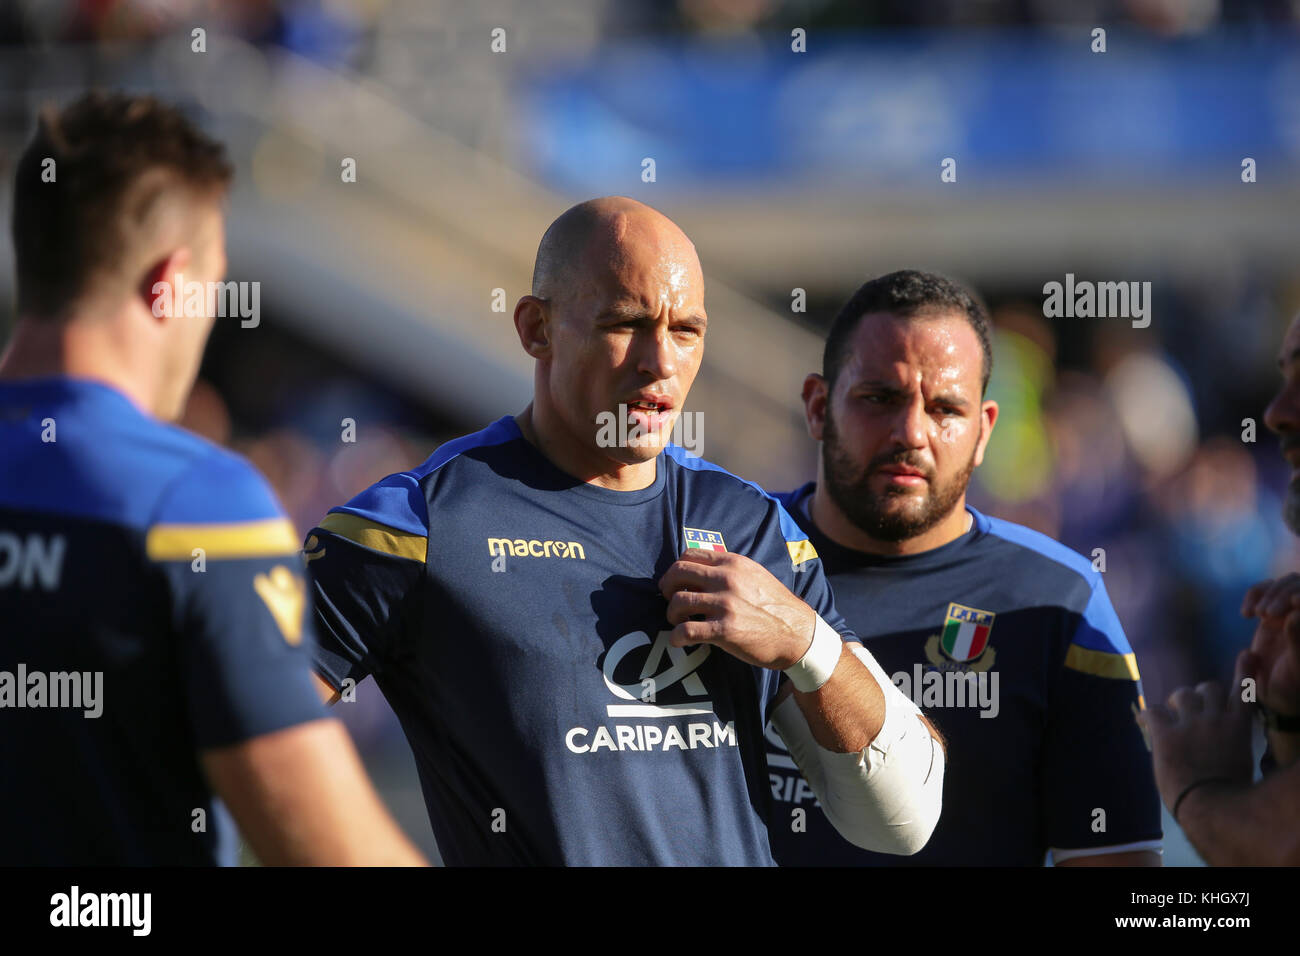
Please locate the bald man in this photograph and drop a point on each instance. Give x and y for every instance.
(582, 638)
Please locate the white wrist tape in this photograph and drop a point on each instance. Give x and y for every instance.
(814, 669)
(899, 710)
(886, 797)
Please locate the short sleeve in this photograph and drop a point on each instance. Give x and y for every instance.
(238, 602)
(366, 560)
(1099, 781)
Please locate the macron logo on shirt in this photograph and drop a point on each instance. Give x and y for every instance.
(533, 548)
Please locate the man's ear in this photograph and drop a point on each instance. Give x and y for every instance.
(988, 416)
(533, 324)
(816, 394)
(162, 287)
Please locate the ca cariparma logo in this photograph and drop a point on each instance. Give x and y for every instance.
(964, 642)
(656, 682)
(654, 678)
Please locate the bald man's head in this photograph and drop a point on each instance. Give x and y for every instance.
(616, 319)
(595, 236)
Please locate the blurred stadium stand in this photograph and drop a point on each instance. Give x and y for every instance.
(812, 171)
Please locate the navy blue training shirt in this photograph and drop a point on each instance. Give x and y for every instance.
(1007, 641)
(123, 652)
(511, 615)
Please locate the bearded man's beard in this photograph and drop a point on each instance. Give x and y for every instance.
(878, 515)
(1291, 507)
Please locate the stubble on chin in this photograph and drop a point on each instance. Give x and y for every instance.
(1291, 508)
(880, 515)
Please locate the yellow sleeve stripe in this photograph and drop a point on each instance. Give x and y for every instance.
(1102, 663)
(376, 536)
(801, 551)
(228, 541)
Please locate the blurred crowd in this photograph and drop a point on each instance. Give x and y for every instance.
(1148, 453)
(337, 30)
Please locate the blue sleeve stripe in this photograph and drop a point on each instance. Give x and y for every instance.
(498, 433)
(1041, 544)
(1100, 629)
(221, 486)
(395, 502)
(398, 502)
(789, 528)
(788, 498)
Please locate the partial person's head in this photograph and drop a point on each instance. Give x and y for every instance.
(899, 407)
(616, 318)
(1283, 417)
(114, 195)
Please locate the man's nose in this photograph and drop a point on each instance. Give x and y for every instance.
(658, 355)
(910, 423)
(1283, 413)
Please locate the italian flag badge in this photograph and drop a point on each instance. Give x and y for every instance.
(966, 632)
(707, 540)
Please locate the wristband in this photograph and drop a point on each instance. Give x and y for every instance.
(1272, 720)
(814, 669)
(1189, 788)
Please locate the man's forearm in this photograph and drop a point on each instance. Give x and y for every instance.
(846, 713)
(880, 783)
(1241, 825)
